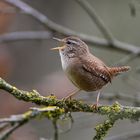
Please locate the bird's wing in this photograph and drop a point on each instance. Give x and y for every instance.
(97, 68)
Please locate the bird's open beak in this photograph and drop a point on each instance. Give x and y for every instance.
(58, 48)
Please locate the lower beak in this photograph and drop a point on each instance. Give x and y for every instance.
(58, 48)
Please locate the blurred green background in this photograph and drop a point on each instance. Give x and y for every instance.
(29, 64)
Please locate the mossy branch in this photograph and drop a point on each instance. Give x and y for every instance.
(16, 121)
(113, 113)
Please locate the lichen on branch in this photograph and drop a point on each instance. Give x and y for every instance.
(54, 108)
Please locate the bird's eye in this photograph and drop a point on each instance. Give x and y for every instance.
(69, 42)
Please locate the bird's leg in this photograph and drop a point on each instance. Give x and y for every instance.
(97, 100)
(72, 94)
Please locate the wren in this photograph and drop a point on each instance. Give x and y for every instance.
(86, 71)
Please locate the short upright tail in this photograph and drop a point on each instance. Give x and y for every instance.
(114, 71)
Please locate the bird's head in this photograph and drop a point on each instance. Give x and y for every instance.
(72, 46)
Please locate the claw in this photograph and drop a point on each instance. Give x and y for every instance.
(95, 106)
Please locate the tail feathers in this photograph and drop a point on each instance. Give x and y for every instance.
(114, 71)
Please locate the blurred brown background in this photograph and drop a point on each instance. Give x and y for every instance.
(29, 64)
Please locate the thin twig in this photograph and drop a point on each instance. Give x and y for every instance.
(3, 126)
(44, 20)
(126, 59)
(49, 112)
(55, 130)
(9, 131)
(97, 20)
(25, 35)
(106, 126)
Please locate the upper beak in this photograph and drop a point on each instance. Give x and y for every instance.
(58, 48)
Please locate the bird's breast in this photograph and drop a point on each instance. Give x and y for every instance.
(64, 61)
(79, 77)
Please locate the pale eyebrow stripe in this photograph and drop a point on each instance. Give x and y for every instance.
(75, 42)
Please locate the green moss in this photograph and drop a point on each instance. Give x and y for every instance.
(55, 108)
(27, 115)
(116, 107)
(102, 129)
(105, 109)
(52, 97)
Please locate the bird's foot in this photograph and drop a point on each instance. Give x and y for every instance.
(95, 106)
(69, 97)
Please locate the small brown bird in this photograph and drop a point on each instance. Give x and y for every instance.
(86, 71)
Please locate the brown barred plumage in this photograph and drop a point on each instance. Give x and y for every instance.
(114, 71)
(86, 71)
